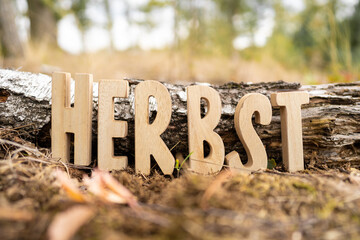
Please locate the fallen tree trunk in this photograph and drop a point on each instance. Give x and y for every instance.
(331, 122)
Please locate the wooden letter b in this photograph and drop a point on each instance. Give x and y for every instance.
(201, 129)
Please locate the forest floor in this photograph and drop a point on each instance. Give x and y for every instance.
(37, 202)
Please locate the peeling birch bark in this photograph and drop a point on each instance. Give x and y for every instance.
(331, 122)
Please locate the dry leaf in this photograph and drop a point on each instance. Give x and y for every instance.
(96, 186)
(214, 186)
(15, 214)
(102, 185)
(108, 189)
(70, 188)
(67, 223)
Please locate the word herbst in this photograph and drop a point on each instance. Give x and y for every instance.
(78, 120)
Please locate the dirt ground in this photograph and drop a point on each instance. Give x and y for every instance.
(317, 203)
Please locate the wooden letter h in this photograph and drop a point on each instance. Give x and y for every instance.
(67, 119)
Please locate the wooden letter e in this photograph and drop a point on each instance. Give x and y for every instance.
(108, 128)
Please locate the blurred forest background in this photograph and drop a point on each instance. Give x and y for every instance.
(310, 41)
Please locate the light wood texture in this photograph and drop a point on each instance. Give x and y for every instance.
(147, 136)
(108, 127)
(291, 127)
(67, 119)
(250, 104)
(330, 122)
(201, 129)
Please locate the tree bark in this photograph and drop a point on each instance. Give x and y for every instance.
(331, 121)
(11, 45)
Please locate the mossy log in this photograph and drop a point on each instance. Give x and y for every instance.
(331, 121)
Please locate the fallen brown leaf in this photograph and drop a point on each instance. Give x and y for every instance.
(67, 223)
(101, 184)
(214, 186)
(108, 189)
(15, 214)
(69, 187)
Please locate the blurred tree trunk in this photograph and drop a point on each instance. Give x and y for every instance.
(109, 24)
(43, 22)
(9, 39)
(83, 21)
(355, 27)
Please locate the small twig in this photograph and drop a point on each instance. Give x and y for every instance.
(23, 126)
(32, 150)
(66, 167)
(175, 145)
(33, 160)
(143, 176)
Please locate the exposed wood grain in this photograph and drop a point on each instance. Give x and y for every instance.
(147, 135)
(108, 127)
(67, 119)
(249, 105)
(291, 127)
(202, 129)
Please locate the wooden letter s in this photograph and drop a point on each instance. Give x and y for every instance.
(258, 104)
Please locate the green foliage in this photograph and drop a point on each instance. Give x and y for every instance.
(284, 50)
(150, 7)
(156, 4)
(354, 25)
(271, 163)
(318, 39)
(314, 38)
(78, 7)
(178, 166)
(237, 17)
(54, 5)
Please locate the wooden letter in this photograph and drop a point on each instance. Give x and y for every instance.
(291, 127)
(66, 119)
(147, 136)
(201, 129)
(108, 128)
(258, 104)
